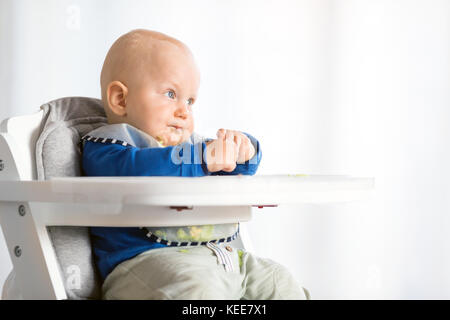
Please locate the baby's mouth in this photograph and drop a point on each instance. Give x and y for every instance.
(176, 133)
(172, 135)
(176, 130)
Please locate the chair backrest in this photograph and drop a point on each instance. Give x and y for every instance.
(44, 145)
(24, 132)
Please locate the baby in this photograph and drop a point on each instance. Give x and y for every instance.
(149, 84)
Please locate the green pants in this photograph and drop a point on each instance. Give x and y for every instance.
(196, 273)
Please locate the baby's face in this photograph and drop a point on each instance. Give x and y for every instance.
(160, 98)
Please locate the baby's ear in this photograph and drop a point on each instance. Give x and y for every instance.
(116, 93)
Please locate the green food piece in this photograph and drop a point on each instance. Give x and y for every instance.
(181, 234)
(240, 256)
(161, 234)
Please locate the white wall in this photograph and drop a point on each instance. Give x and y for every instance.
(353, 87)
(390, 97)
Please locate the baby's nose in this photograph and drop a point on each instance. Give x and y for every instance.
(182, 111)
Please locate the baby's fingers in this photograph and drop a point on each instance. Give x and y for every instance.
(238, 140)
(229, 135)
(233, 137)
(221, 133)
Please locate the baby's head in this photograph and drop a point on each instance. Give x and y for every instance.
(150, 81)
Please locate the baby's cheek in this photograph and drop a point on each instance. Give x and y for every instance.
(186, 135)
(190, 126)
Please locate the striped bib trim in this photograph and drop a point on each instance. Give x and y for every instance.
(157, 239)
(105, 140)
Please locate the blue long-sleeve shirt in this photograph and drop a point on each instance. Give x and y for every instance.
(113, 245)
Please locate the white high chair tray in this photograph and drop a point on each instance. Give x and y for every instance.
(188, 191)
(31, 205)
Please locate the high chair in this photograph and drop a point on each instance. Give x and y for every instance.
(46, 206)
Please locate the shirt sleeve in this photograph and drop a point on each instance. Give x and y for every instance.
(100, 159)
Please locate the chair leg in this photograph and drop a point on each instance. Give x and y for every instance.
(10, 288)
(31, 252)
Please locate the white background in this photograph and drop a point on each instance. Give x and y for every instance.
(353, 87)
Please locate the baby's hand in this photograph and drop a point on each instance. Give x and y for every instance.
(221, 154)
(245, 147)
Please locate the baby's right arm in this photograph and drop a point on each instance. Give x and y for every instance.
(101, 159)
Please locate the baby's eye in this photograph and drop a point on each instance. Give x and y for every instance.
(190, 101)
(171, 94)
